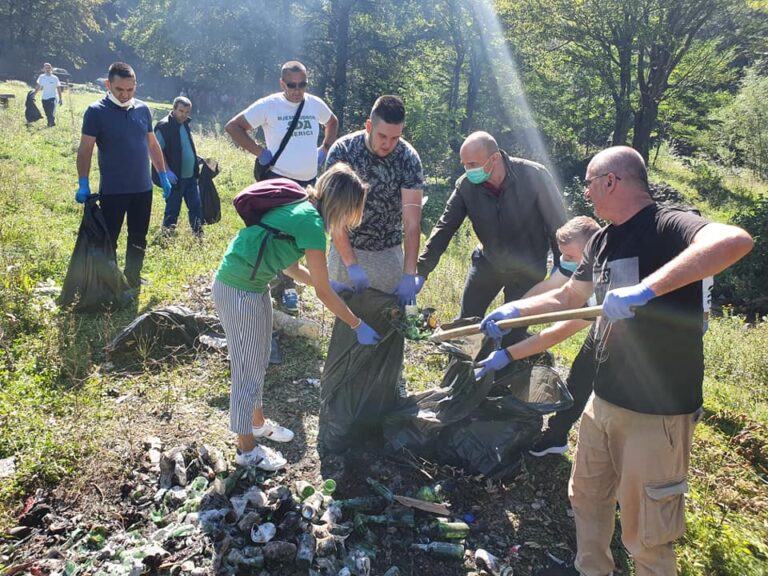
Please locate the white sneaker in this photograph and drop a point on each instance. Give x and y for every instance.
(273, 431)
(262, 457)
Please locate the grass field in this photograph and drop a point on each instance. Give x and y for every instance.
(57, 416)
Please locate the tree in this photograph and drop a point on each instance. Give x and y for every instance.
(38, 30)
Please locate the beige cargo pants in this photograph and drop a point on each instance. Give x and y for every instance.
(641, 462)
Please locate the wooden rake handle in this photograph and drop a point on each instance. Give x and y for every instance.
(576, 314)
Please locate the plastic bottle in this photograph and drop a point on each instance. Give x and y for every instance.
(445, 549)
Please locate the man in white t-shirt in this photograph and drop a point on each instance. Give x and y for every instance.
(50, 84)
(301, 156)
(274, 113)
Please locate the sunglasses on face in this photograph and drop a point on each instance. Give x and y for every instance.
(295, 85)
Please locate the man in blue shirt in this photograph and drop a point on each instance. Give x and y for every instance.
(175, 139)
(121, 126)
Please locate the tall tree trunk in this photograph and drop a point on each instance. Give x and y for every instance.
(622, 104)
(645, 121)
(473, 86)
(340, 14)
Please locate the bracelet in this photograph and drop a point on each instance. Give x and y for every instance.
(509, 354)
(359, 323)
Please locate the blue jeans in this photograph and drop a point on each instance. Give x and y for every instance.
(187, 189)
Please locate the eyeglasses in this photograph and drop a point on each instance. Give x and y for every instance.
(294, 85)
(588, 181)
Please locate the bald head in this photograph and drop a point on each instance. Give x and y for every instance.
(625, 162)
(480, 142)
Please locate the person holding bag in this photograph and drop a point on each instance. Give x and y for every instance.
(241, 295)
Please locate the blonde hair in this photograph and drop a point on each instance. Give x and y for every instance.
(578, 229)
(339, 196)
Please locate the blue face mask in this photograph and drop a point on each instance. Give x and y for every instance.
(568, 266)
(478, 175)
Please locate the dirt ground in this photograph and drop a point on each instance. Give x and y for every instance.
(522, 519)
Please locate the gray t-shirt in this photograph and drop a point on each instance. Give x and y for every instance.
(382, 225)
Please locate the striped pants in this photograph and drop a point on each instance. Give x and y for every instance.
(247, 321)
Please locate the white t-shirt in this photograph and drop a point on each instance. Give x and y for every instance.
(274, 114)
(49, 84)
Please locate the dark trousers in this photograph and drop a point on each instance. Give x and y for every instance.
(484, 283)
(186, 189)
(283, 282)
(580, 384)
(49, 107)
(136, 209)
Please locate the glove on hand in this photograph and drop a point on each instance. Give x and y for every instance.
(172, 178)
(340, 287)
(265, 156)
(322, 154)
(496, 361)
(359, 277)
(366, 335)
(83, 189)
(165, 182)
(504, 312)
(407, 289)
(618, 303)
(420, 280)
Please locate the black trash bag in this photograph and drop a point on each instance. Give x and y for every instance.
(169, 327)
(492, 440)
(209, 196)
(31, 111)
(481, 426)
(93, 281)
(359, 383)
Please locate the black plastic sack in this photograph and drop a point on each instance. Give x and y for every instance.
(169, 327)
(31, 111)
(93, 281)
(359, 383)
(482, 427)
(209, 196)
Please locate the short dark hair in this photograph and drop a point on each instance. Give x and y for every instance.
(120, 69)
(182, 101)
(292, 66)
(388, 108)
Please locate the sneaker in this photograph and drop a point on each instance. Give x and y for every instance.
(549, 443)
(290, 301)
(261, 457)
(273, 431)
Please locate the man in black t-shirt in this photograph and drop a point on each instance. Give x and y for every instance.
(635, 438)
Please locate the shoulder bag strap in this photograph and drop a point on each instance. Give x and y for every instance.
(287, 136)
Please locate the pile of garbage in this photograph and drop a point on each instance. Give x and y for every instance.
(190, 514)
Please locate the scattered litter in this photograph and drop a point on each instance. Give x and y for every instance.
(7, 467)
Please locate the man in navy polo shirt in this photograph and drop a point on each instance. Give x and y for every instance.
(121, 126)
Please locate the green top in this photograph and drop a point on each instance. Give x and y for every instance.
(300, 220)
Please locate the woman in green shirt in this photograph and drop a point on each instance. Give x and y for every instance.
(244, 306)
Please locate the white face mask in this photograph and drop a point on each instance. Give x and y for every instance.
(125, 105)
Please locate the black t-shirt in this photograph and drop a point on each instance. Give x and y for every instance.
(652, 363)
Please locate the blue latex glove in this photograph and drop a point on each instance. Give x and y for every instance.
(172, 178)
(359, 277)
(322, 154)
(406, 290)
(496, 361)
(340, 287)
(265, 156)
(83, 189)
(618, 303)
(165, 182)
(420, 283)
(504, 312)
(366, 335)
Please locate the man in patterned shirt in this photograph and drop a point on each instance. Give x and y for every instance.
(371, 255)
